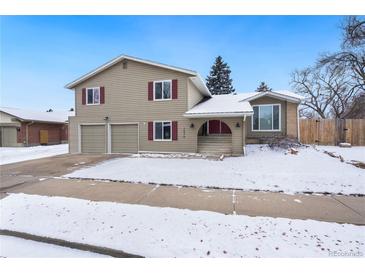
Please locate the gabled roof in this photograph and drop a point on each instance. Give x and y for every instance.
(279, 94)
(236, 105)
(194, 76)
(228, 105)
(38, 116)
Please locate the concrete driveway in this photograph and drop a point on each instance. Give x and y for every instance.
(41, 177)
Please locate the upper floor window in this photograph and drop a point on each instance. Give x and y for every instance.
(93, 96)
(266, 117)
(162, 90)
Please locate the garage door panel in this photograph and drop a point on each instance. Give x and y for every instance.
(8, 136)
(93, 139)
(124, 138)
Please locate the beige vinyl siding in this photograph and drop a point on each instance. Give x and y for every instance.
(194, 96)
(93, 139)
(126, 101)
(73, 135)
(292, 120)
(288, 121)
(124, 138)
(6, 118)
(255, 136)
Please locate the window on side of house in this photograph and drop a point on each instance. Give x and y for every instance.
(162, 90)
(162, 131)
(266, 118)
(93, 96)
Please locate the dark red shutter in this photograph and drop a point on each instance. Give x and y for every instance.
(84, 96)
(150, 131)
(102, 95)
(174, 89)
(174, 130)
(150, 91)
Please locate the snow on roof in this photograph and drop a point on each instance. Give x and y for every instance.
(33, 115)
(228, 105)
(280, 94)
(235, 105)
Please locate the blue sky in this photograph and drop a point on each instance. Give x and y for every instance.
(40, 54)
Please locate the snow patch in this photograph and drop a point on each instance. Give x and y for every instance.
(261, 169)
(169, 232)
(10, 155)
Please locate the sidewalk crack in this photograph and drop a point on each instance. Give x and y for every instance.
(345, 205)
(147, 194)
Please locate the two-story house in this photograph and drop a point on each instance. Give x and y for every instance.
(132, 105)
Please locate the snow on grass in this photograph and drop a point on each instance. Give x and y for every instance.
(261, 169)
(12, 247)
(18, 154)
(169, 232)
(348, 153)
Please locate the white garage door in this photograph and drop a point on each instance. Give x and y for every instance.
(124, 138)
(93, 139)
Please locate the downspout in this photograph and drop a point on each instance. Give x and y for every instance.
(27, 132)
(244, 135)
(298, 127)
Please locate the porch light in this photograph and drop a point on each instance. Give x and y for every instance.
(191, 125)
(106, 118)
(237, 124)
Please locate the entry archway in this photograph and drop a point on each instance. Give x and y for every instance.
(215, 137)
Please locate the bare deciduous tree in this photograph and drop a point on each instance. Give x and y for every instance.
(352, 56)
(356, 109)
(353, 32)
(326, 91)
(331, 86)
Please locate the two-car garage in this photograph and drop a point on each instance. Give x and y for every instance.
(110, 138)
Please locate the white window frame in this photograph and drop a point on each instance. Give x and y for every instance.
(154, 131)
(87, 95)
(154, 92)
(272, 118)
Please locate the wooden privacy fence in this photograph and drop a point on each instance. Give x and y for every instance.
(332, 131)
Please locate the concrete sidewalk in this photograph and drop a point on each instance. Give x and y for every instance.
(341, 209)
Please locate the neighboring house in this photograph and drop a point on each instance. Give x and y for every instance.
(131, 105)
(19, 127)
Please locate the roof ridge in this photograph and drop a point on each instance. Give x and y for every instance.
(117, 59)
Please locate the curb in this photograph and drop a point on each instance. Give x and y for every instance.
(85, 247)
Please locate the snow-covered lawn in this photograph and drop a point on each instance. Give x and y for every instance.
(169, 232)
(12, 247)
(261, 169)
(18, 154)
(349, 154)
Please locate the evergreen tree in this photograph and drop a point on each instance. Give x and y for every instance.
(263, 88)
(219, 81)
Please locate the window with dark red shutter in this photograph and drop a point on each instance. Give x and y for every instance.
(174, 89)
(150, 131)
(84, 96)
(150, 91)
(102, 95)
(174, 130)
